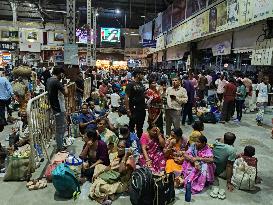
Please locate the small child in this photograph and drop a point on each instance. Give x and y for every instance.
(198, 127)
(249, 158)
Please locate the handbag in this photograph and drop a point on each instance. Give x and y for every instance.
(243, 175)
(164, 189)
(110, 176)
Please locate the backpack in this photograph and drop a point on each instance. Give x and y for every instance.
(141, 189)
(65, 182)
(208, 117)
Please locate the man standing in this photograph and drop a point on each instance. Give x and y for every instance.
(202, 82)
(176, 97)
(6, 94)
(56, 93)
(135, 102)
(229, 101)
(46, 75)
(262, 99)
(187, 111)
(220, 84)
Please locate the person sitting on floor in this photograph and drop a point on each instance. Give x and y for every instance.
(152, 144)
(87, 120)
(107, 135)
(224, 157)
(114, 179)
(132, 141)
(198, 166)
(198, 127)
(248, 156)
(94, 152)
(174, 151)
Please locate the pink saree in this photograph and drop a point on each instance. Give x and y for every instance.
(202, 176)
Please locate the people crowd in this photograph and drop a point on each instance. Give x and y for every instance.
(117, 147)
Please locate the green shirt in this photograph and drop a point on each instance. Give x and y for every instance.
(242, 91)
(222, 154)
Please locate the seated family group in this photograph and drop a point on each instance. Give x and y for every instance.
(111, 154)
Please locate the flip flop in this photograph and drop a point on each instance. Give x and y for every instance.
(221, 194)
(214, 192)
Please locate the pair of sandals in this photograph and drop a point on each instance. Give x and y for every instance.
(36, 184)
(218, 193)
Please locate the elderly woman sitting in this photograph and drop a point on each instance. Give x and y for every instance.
(113, 179)
(174, 150)
(107, 135)
(152, 144)
(198, 167)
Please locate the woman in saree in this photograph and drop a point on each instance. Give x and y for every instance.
(174, 150)
(198, 166)
(152, 144)
(113, 179)
(154, 103)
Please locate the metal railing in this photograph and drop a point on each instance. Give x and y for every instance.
(87, 88)
(41, 123)
(70, 100)
(40, 126)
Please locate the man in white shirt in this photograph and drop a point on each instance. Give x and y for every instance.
(262, 99)
(220, 84)
(115, 100)
(209, 79)
(176, 97)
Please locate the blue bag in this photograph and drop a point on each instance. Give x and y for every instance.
(65, 182)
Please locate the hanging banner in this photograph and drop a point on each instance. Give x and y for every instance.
(212, 19)
(146, 31)
(243, 4)
(71, 54)
(262, 9)
(233, 13)
(158, 25)
(178, 14)
(200, 26)
(221, 16)
(167, 19)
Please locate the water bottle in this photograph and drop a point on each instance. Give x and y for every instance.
(188, 192)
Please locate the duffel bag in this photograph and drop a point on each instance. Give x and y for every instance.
(164, 192)
(65, 182)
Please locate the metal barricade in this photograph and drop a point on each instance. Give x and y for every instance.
(41, 127)
(70, 100)
(87, 88)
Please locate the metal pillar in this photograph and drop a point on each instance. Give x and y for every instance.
(70, 21)
(91, 22)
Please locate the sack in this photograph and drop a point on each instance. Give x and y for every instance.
(48, 172)
(243, 175)
(141, 189)
(164, 189)
(75, 164)
(65, 182)
(208, 117)
(18, 169)
(110, 176)
(212, 99)
(60, 157)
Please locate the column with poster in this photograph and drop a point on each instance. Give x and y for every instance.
(71, 54)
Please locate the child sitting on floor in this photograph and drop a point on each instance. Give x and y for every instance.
(198, 127)
(249, 158)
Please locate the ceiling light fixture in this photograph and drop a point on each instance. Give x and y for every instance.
(117, 11)
(142, 16)
(97, 14)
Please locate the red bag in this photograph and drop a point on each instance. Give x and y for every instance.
(48, 172)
